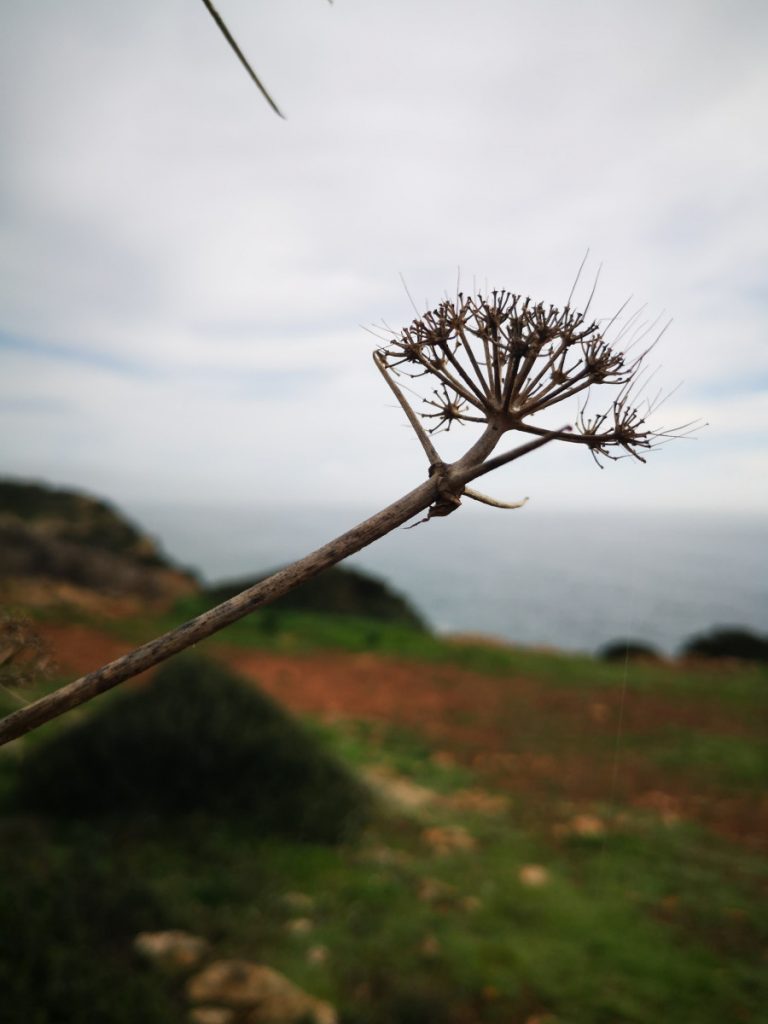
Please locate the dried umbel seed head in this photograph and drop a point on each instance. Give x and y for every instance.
(24, 656)
(502, 359)
(496, 361)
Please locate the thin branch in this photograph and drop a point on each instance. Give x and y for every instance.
(241, 56)
(482, 397)
(516, 333)
(163, 647)
(578, 275)
(468, 349)
(408, 293)
(413, 419)
(486, 500)
(516, 453)
(155, 651)
(567, 434)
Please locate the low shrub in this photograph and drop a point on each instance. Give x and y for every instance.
(67, 919)
(728, 642)
(335, 591)
(196, 740)
(634, 650)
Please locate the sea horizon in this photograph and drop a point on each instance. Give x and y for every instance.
(571, 580)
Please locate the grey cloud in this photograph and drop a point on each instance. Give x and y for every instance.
(156, 211)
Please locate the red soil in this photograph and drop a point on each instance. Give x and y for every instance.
(553, 748)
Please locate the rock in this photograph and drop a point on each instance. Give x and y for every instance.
(533, 876)
(432, 890)
(298, 901)
(478, 801)
(447, 839)
(396, 789)
(211, 1015)
(299, 925)
(172, 951)
(445, 897)
(268, 995)
(318, 955)
(588, 826)
(386, 856)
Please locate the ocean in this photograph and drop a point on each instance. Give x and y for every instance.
(570, 580)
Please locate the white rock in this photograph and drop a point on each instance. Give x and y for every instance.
(211, 1015)
(267, 994)
(171, 950)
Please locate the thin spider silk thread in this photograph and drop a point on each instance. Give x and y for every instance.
(631, 620)
(14, 695)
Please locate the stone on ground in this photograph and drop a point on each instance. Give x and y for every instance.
(211, 1015)
(268, 995)
(172, 951)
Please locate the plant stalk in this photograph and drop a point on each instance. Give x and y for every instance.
(81, 690)
(178, 639)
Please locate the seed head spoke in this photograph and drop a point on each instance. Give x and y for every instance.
(486, 500)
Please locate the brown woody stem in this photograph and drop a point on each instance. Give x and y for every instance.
(152, 653)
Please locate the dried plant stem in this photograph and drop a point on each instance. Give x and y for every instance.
(241, 57)
(485, 499)
(529, 358)
(413, 419)
(152, 653)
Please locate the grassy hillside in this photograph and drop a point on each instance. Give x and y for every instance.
(336, 591)
(299, 632)
(557, 839)
(60, 546)
(69, 515)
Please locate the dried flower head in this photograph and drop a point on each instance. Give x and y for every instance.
(25, 657)
(501, 360)
(498, 362)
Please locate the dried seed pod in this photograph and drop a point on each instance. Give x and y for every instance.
(502, 359)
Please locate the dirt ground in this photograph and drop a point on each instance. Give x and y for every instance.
(549, 747)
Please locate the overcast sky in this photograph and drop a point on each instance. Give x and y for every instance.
(185, 278)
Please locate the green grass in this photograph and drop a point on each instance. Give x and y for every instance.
(197, 741)
(644, 919)
(645, 922)
(292, 632)
(727, 760)
(407, 753)
(295, 632)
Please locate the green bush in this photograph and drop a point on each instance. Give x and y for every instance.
(631, 650)
(726, 642)
(197, 740)
(67, 920)
(336, 591)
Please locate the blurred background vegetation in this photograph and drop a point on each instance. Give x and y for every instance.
(410, 827)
